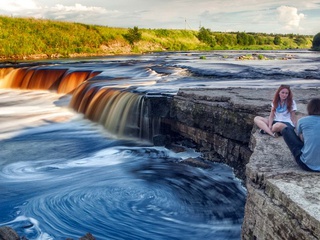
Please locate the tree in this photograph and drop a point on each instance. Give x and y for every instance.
(221, 39)
(251, 40)
(277, 40)
(299, 40)
(242, 38)
(133, 35)
(316, 42)
(259, 40)
(205, 36)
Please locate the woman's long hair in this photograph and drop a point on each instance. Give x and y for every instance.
(289, 100)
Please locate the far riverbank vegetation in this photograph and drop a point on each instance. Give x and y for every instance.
(29, 38)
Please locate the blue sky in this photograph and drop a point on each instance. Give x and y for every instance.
(274, 16)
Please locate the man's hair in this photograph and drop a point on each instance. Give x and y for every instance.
(313, 106)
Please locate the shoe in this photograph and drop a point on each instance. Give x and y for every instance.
(276, 135)
(261, 131)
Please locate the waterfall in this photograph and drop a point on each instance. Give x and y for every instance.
(61, 80)
(122, 113)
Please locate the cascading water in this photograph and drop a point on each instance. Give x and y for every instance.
(122, 113)
(44, 78)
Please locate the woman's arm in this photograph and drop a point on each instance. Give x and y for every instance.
(271, 117)
(293, 117)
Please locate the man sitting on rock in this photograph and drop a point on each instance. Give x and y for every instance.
(305, 144)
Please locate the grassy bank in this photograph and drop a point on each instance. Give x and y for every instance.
(23, 38)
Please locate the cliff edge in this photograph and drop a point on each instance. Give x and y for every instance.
(282, 200)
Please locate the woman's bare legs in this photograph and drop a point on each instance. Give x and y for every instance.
(277, 127)
(263, 123)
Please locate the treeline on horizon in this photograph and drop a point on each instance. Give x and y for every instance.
(22, 38)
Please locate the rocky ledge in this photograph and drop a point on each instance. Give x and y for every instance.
(282, 200)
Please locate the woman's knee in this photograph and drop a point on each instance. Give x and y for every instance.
(278, 127)
(257, 119)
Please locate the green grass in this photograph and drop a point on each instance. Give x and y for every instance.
(22, 38)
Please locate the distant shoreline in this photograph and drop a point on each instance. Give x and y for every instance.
(41, 57)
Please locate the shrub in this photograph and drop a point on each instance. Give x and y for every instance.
(316, 42)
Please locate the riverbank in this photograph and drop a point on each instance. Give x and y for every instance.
(49, 39)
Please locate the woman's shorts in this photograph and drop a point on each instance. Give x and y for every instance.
(286, 123)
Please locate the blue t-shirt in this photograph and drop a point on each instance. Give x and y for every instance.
(310, 128)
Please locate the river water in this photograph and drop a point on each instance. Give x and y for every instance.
(63, 175)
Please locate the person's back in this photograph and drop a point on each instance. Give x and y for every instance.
(310, 128)
(305, 145)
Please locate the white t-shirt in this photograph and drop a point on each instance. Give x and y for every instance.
(282, 114)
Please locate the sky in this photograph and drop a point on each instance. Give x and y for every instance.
(269, 16)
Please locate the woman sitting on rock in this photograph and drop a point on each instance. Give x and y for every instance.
(305, 144)
(282, 114)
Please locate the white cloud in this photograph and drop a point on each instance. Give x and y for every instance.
(77, 8)
(17, 5)
(289, 17)
(218, 15)
(77, 12)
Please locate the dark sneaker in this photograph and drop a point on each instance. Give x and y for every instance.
(276, 135)
(262, 131)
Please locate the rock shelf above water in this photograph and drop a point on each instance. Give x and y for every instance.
(282, 200)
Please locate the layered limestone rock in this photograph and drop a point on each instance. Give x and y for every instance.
(219, 121)
(282, 200)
